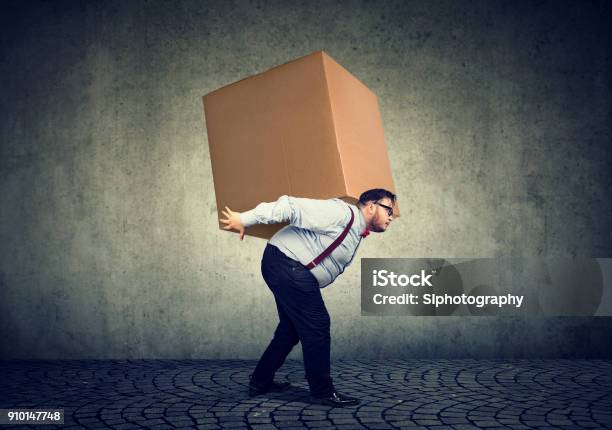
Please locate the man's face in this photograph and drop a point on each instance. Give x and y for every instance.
(381, 218)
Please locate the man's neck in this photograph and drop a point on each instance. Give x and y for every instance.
(365, 218)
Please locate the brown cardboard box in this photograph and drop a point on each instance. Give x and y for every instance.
(307, 128)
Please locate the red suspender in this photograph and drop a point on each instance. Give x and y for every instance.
(334, 244)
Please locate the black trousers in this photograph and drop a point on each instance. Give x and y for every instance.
(302, 317)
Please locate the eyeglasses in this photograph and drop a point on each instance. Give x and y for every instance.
(389, 208)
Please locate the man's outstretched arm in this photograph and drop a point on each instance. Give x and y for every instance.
(323, 216)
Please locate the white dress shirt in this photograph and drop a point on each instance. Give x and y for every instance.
(313, 226)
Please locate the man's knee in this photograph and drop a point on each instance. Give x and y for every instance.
(321, 324)
(286, 336)
(317, 333)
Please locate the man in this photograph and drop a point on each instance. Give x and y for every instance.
(308, 254)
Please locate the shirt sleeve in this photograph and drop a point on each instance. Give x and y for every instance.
(322, 216)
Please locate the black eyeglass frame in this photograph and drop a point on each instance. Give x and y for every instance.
(389, 208)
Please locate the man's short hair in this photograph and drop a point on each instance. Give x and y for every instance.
(375, 195)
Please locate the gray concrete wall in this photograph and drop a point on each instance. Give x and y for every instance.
(497, 118)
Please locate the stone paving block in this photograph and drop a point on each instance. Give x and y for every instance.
(314, 417)
(285, 418)
(419, 416)
(235, 419)
(115, 422)
(369, 414)
(263, 427)
(465, 427)
(179, 422)
(282, 412)
(163, 426)
(126, 426)
(345, 421)
(260, 421)
(369, 420)
(407, 425)
(233, 425)
(380, 426)
(587, 424)
(318, 424)
(428, 423)
(350, 427)
(455, 420)
(487, 423)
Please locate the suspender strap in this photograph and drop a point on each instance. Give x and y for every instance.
(334, 244)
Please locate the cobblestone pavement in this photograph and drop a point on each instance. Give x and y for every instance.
(211, 394)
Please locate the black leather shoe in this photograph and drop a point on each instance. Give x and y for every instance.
(273, 387)
(337, 400)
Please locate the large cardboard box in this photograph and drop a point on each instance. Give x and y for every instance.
(307, 128)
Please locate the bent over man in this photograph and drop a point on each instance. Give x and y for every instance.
(318, 244)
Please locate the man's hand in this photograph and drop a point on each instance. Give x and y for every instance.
(232, 221)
